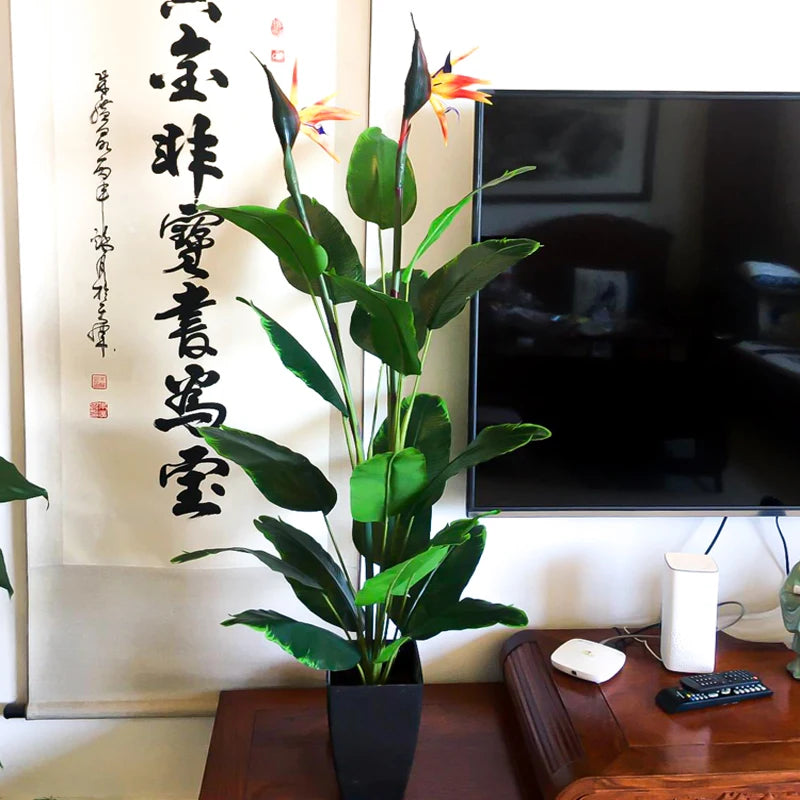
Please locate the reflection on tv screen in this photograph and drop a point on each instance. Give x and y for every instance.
(657, 331)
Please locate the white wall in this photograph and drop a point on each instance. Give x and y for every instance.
(562, 571)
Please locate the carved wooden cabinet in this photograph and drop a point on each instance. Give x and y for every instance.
(611, 742)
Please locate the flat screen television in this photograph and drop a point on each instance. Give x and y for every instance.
(656, 332)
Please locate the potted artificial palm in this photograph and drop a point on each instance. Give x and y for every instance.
(411, 580)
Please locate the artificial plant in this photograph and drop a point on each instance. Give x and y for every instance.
(14, 486)
(410, 583)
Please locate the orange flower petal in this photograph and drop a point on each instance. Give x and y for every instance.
(293, 90)
(441, 115)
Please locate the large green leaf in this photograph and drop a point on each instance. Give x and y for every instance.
(468, 614)
(449, 289)
(492, 441)
(5, 581)
(371, 177)
(429, 430)
(334, 601)
(328, 231)
(460, 530)
(283, 235)
(267, 559)
(14, 486)
(448, 584)
(396, 581)
(360, 321)
(284, 477)
(442, 222)
(382, 486)
(392, 333)
(310, 645)
(298, 360)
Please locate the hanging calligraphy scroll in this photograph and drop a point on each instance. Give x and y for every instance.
(129, 117)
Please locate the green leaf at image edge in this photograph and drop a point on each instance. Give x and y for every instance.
(284, 477)
(298, 360)
(14, 485)
(442, 222)
(5, 581)
(311, 645)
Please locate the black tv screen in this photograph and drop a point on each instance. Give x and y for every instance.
(656, 332)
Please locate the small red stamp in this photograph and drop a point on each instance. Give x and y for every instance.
(98, 409)
(99, 380)
(278, 56)
(276, 27)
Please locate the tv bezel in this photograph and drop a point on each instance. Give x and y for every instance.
(472, 508)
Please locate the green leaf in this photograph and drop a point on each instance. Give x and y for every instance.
(282, 234)
(384, 484)
(284, 477)
(298, 360)
(389, 651)
(458, 531)
(310, 645)
(360, 321)
(442, 222)
(418, 79)
(392, 333)
(448, 584)
(328, 231)
(492, 441)
(449, 289)
(429, 430)
(371, 177)
(5, 581)
(285, 118)
(265, 558)
(397, 580)
(469, 614)
(334, 601)
(13, 486)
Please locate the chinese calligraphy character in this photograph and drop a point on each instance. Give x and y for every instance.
(190, 500)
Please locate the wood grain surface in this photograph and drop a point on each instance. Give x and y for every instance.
(272, 744)
(611, 740)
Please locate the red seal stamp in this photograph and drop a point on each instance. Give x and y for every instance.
(276, 27)
(98, 409)
(99, 381)
(278, 56)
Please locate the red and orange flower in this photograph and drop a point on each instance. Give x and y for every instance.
(447, 85)
(312, 117)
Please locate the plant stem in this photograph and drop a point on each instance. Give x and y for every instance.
(370, 449)
(383, 262)
(339, 554)
(413, 395)
(332, 331)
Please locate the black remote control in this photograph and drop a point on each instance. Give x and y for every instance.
(709, 681)
(682, 699)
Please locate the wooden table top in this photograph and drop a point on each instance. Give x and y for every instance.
(585, 738)
(272, 744)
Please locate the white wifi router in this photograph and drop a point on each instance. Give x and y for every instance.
(587, 660)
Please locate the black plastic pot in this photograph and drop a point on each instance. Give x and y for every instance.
(374, 729)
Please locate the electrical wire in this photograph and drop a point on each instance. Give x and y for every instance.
(783, 540)
(742, 612)
(716, 536)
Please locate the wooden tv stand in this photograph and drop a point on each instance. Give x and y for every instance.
(611, 742)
